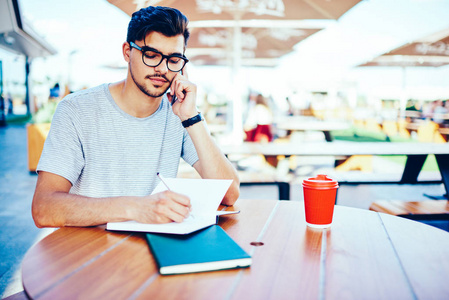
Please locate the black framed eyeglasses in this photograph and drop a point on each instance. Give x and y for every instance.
(153, 58)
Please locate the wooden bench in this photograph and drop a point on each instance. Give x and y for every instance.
(415, 210)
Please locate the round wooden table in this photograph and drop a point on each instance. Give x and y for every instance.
(364, 255)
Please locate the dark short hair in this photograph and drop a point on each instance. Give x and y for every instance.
(166, 20)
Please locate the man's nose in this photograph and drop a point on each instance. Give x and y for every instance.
(162, 67)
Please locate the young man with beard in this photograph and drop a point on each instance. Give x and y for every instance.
(107, 143)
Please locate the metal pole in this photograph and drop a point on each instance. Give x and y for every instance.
(403, 99)
(237, 107)
(2, 100)
(27, 84)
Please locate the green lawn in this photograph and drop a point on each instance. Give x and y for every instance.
(356, 134)
(17, 119)
(429, 165)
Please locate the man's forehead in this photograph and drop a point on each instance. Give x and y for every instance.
(165, 44)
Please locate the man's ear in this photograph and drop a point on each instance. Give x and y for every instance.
(126, 49)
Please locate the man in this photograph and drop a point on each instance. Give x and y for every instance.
(107, 143)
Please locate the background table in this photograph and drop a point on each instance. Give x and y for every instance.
(365, 255)
(416, 153)
(291, 124)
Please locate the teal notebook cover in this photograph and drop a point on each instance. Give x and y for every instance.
(206, 250)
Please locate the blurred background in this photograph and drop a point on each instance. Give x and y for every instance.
(323, 69)
(347, 70)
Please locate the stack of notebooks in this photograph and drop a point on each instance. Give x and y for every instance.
(197, 244)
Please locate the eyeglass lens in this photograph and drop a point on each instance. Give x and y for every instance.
(152, 59)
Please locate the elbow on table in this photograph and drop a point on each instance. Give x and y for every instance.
(41, 215)
(233, 193)
(38, 218)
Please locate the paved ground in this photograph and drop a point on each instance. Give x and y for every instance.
(18, 233)
(17, 230)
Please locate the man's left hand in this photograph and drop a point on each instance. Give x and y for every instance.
(185, 91)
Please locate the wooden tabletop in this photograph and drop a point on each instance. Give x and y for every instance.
(364, 255)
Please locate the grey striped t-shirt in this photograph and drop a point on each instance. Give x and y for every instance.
(105, 152)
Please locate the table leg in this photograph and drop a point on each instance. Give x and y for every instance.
(284, 190)
(412, 168)
(327, 135)
(443, 165)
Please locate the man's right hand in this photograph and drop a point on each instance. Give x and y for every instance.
(54, 206)
(163, 207)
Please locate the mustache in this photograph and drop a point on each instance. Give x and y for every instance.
(157, 75)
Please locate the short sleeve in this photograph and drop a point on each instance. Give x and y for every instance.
(63, 152)
(189, 154)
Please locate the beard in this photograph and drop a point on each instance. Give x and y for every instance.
(145, 90)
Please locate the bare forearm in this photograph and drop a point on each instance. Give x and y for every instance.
(212, 162)
(59, 209)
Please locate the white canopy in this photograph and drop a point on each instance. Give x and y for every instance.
(17, 36)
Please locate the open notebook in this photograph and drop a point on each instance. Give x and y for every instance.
(205, 196)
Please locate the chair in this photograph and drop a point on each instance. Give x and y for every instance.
(428, 133)
(373, 125)
(358, 123)
(36, 135)
(390, 128)
(432, 212)
(402, 128)
(319, 113)
(362, 163)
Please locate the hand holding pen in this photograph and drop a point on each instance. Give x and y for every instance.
(162, 178)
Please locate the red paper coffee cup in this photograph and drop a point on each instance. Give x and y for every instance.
(320, 193)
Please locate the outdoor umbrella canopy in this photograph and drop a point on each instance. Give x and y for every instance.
(407, 61)
(197, 10)
(260, 46)
(430, 51)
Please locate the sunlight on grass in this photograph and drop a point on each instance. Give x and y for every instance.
(429, 165)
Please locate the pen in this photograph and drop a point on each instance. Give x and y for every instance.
(162, 178)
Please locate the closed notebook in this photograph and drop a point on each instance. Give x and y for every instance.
(206, 250)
